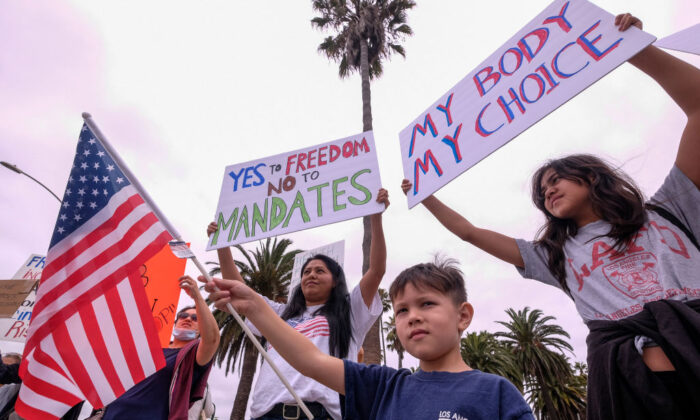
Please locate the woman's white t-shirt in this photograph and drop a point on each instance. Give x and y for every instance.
(269, 390)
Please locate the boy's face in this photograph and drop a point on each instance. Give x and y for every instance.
(429, 323)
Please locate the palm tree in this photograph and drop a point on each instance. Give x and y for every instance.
(568, 396)
(393, 339)
(268, 271)
(538, 348)
(365, 33)
(484, 352)
(386, 307)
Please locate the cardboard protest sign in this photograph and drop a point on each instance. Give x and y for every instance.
(563, 50)
(12, 294)
(335, 250)
(305, 188)
(687, 40)
(14, 328)
(159, 276)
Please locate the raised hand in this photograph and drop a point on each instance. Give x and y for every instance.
(406, 186)
(383, 197)
(625, 20)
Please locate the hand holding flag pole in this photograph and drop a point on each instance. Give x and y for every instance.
(181, 253)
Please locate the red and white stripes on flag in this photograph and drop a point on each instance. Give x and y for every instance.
(92, 335)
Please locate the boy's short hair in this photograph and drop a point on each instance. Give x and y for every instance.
(442, 275)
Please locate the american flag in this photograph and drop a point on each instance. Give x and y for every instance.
(314, 327)
(92, 335)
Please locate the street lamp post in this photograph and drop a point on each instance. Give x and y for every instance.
(19, 171)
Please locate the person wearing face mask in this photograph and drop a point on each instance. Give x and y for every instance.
(169, 393)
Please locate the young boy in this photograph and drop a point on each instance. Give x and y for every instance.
(431, 312)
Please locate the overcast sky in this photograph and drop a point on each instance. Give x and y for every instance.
(182, 89)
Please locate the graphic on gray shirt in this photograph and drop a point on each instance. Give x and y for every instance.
(661, 263)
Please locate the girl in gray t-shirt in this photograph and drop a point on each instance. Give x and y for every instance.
(600, 243)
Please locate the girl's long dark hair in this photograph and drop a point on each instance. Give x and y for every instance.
(336, 309)
(615, 198)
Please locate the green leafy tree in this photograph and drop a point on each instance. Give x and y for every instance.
(364, 33)
(568, 396)
(386, 307)
(484, 352)
(538, 348)
(393, 339)
(267, 270)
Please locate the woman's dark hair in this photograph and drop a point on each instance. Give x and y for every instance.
(615, 198)
(336, 309)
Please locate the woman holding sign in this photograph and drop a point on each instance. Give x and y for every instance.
(631, 267)
(333, 319)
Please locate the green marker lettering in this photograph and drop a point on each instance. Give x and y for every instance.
(359, 187)
(259, 219)
(243, 223)
(279, 209)
(337, 193)
(298, 203)
(319, 195)
(223, 225)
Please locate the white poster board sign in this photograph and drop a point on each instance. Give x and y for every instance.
(687, 40)
(15, 328)
(305, 188)
(335, 250)
(563, 50)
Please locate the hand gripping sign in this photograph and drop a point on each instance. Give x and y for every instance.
(563, 50)
(305, 188)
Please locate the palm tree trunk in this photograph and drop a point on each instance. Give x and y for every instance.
(366, 93)
(400, 353)
(250, 359)
(371, 345)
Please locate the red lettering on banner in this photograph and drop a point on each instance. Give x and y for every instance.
(322, 156)
(317, 157)
(560, 19)
(335, 152)
(361, 146)
(18, 329)
(542, 34)
(300, 162)
(589, 45)
(311, 156)
(290, 159)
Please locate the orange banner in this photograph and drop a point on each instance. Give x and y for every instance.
(159, 276)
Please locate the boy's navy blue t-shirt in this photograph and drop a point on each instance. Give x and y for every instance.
(380, 392)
